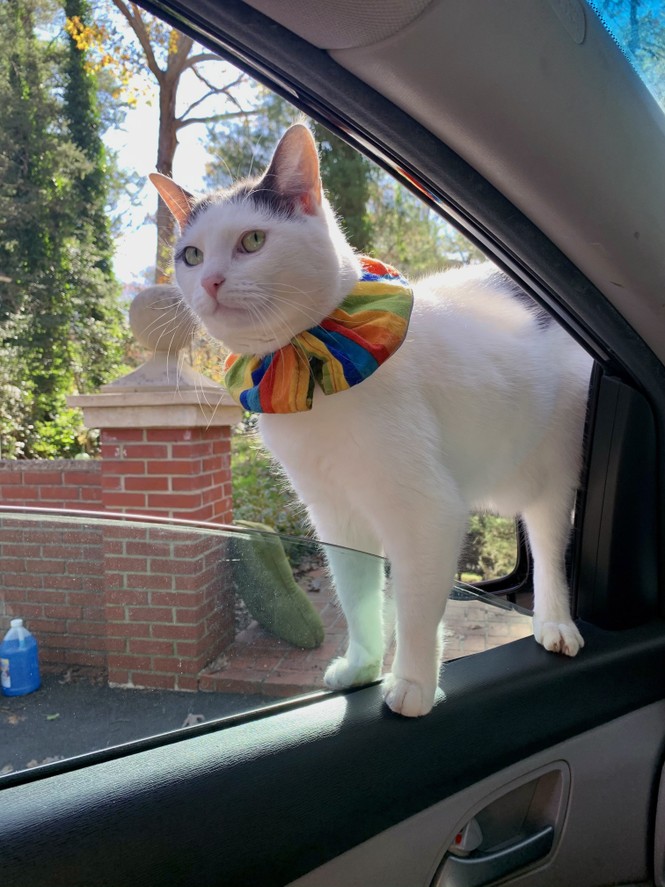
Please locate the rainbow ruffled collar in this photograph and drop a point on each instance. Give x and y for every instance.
(343, 350)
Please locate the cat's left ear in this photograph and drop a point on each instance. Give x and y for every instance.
(294, 169)
(179, 201)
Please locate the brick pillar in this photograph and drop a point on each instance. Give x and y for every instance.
(168, 472)
(165, 433)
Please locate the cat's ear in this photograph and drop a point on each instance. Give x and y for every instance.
(294, 169)
(179, 201)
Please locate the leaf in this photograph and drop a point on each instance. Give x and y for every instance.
(53, 717)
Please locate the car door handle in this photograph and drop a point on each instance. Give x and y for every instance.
(484, 867)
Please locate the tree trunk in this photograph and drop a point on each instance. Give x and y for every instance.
(166, 149)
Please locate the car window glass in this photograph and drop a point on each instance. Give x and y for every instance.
(143, 628)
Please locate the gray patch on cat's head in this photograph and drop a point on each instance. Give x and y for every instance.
(261, 192)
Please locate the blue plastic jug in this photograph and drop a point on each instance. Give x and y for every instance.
(19, 665)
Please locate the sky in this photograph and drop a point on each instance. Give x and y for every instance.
(136, 144)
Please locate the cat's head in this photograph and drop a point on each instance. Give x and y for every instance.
(264, 260)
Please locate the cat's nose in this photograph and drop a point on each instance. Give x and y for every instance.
(212, 284)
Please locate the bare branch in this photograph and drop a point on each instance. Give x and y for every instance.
(195, 104)
(201, 57)
(214, 118)
(214, 90)
(136, 23)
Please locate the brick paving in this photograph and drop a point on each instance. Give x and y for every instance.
(258, 662)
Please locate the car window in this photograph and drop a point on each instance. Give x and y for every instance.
(639, 29)
(144, 628)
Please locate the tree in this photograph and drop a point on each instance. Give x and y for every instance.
(168, 55)
(347, 176)
(57, 295)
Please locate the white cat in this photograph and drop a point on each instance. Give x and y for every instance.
(482, 407)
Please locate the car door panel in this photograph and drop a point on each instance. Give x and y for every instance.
(264, 800)
(591, 845)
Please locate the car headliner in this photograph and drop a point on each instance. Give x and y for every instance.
(536, 96)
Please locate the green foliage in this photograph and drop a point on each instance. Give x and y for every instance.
(61, 326)
(346, 176)
(490, 549)
(260, 492)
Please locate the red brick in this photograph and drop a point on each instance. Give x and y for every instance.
(115, 645)
(151, 614)
(173, 566)
(186, 682)
(174, 467)
(131, 662)
(191, 451)
(40, 478)
(42, 565)
(128, 629)
(85, 598)
(21, 492)
(163, 581)
(115, 614)
(90, 629)
(188, 615)
(146, 484)
(146, 451)
(181, 501)
(124, 500)
(125, 564)
(127, 596)
(148, 549)
(169, 434)
(151, 647)
(57, 626)
(176, 632)
(62, 494)
(122, 467)
(117, 675)
(70, 552)
(112, 482)
(11, 477)
(69, 582)
(174, 664)
(172, 598)
(92, 568)
(61, 612)
(82, 478)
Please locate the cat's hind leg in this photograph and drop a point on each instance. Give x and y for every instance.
(548, 527)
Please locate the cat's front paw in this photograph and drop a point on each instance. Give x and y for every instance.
(342, 673)
(407, 697)
(558, 637)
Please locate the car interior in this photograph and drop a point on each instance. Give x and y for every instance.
(525, 124)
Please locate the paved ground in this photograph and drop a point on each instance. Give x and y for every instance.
(73, 714)
(67, 718)
(258, 662)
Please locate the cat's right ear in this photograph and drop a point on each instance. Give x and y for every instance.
(179, 201)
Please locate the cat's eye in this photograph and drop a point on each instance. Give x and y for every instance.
(252, 241)
(192, 255)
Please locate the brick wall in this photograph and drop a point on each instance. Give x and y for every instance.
(171, 472)
(57, 483)
(150, 605)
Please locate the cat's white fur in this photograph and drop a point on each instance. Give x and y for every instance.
(480, 408)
